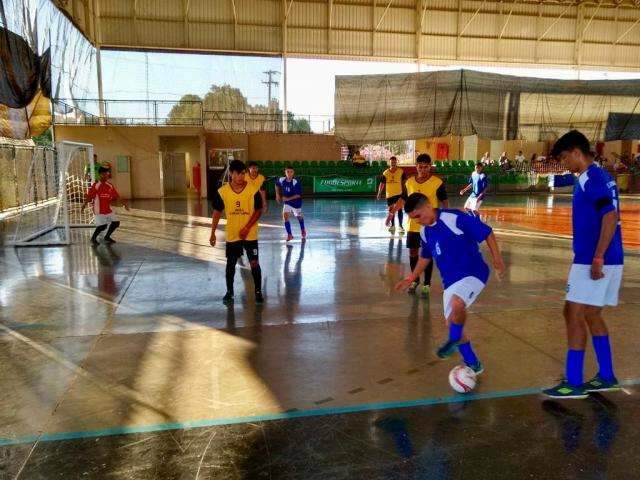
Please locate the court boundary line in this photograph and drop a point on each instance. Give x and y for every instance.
(288, 415)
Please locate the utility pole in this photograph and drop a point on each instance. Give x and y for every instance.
(269, 83)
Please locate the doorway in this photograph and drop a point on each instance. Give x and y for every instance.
(174, 173)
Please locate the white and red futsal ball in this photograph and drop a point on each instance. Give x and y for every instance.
(462, 379)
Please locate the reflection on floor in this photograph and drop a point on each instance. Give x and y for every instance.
(123, 361)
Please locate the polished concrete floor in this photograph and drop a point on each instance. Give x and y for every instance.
(122, 362)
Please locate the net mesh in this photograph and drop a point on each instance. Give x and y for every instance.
(54, 189)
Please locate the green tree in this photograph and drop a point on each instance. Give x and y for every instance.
(225, 98)
(297, 125)
(45, 139)
(187, 111)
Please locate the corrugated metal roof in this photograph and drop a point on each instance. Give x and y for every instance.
(255, 26)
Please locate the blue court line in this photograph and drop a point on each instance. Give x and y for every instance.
(364, 407)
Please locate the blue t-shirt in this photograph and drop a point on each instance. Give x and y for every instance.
(452, 241)
(479, 182)
(595, 193)
(289, 189)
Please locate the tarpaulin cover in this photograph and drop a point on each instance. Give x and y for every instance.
(19, 70)
(370, 108)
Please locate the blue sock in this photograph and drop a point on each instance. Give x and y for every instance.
(468, 355)
(455, 332)
(287, 226)
(575, 365)
(603, 352)
(400, 216)
(301, 221)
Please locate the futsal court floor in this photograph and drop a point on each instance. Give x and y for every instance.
(122, 362)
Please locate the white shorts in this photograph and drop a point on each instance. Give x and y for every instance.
(105, 219)
(296, 212)
(581, 288)
(467, 289)
(473, 203)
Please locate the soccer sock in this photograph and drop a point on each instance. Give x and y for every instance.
(97, 232)
(287, 227)
(575, 364)
(230, 273)
(301, 222)
(413, 261)
(112, 228)
(256, 272)
(427, 274)
(602, 346)
(393, 221)
(400, 217)
(455, 332)
(468, 355)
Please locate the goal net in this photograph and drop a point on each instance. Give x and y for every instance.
(54, 190)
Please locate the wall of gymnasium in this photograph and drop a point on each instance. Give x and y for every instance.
(142, 144)
(278, 146)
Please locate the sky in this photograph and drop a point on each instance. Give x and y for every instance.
(310, 85)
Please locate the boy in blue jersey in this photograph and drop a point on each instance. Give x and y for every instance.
(451, 238)
(478, 183)
(289, 191)
(596, 273)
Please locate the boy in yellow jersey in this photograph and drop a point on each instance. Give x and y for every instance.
(243, 206)
(433, 188)
(256, 180)
(392, 181)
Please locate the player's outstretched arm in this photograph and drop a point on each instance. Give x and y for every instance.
(498, 263)
(465, 189)
(420, 267)
(380, 188)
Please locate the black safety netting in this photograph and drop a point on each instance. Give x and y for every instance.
(43, 56)
(371, 108)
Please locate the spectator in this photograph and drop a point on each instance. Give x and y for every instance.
(520, 159)
(619, 166)
(358, 160)
(486, 159)
(504, 162)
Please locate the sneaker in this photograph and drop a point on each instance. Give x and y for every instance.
(412, 288)
(401, 231)
(565, 391)
(228, 298)
(478, 368)
(392, 229)
(289, 238)
(259, 297)
(598, 384)
(424, 291)
(447, 349)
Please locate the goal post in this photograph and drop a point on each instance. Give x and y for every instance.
(54, 192)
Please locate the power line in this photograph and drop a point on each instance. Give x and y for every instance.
(268, 83)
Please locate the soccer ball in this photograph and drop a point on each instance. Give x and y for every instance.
(462, 379)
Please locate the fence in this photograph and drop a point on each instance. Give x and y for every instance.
(189, 113)
(14, 168)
